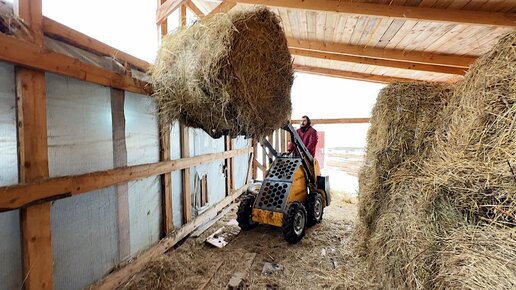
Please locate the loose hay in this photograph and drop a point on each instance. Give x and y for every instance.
(440, 213)
(227, 74)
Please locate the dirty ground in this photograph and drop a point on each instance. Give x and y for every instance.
(319, 261)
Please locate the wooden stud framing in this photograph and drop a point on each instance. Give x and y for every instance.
(394, 11)
(182, 16)
(223, 7)
(378, 62)
(254, 173)
(36, 226)
(338, 121)
(194, 9)
(185, 173)
(166, 8)
(43, 190)
(120, 160)
(26, 54)
(421, 57)
(351, 75)
(165, 153)
(229, 164)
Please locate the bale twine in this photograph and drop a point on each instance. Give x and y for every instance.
(228, 74)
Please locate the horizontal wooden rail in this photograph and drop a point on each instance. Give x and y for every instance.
(394, 11)
(73, 37)
(337, 121)
(29, 55)
(118, 278)
(21, 195)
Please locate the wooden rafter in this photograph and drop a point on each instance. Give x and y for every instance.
(224, 6)
(351, 75)
(378, 62)
(420, 57)
(29, 55)
(24, 194)
(394, 11)
(196, 10)
(167, 8)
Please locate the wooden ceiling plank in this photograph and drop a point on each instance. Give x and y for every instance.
(395, 11)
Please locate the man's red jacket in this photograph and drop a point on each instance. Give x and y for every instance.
(309, 138)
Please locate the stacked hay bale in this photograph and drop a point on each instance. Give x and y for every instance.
(419, 202)
(228, 74)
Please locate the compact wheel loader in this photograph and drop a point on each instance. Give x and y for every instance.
(292, 195)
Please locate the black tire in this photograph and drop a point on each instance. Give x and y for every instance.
(315, 208)
(294, 222)
(245, 211)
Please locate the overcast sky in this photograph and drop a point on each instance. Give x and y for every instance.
(129, 26)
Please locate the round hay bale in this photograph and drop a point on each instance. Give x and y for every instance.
(477, 258)
(474, 159)
(228, 74)
(402, 124)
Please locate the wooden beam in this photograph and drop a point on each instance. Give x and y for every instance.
(378, 62)
(25, 54)
(167, 8)
(394, 11)
(194, 9)
(35, 222)
(223, 7)
(421, 57)
(337, 121)
(185, 173)
(165, 153)
(120, 160)
(38, 191)
(182, 16)
(351, 75)
(259, 165)
(118, 278)
(68, 35)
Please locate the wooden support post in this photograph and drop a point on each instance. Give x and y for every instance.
(165, 153)
(36, 226)
(254, 172)
(120, 160)
(187, 193)
(182, 17)
(229, 164)
(278, 141)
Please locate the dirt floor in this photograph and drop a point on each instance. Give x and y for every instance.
(319, 261)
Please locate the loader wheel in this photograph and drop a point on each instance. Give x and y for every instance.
(245, 211)
(294, 222)
(315, 208)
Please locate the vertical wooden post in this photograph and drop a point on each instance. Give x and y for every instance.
(166, 179)
(120, 160)
(229, 163)
(185, 150)
(278, 141)
(36, 226)
(254, 171)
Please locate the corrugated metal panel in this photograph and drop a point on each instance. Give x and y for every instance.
(201, 143)
(241, 163)
(177, 198)
(84, 228)
(142, 141)
(10, 251)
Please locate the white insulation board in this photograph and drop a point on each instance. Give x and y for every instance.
(84, 227)
(10, 250)
(143, 146)
(241, 162)
(177, 181)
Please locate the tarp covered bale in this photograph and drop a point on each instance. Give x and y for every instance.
(229, 74)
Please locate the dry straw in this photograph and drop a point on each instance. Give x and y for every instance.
(437, 199)
(228, 74)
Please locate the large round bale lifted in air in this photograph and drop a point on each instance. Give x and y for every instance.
(228, 74)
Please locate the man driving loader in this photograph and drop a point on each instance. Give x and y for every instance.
(308, 135)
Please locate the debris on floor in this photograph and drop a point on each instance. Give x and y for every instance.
(271, 268)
